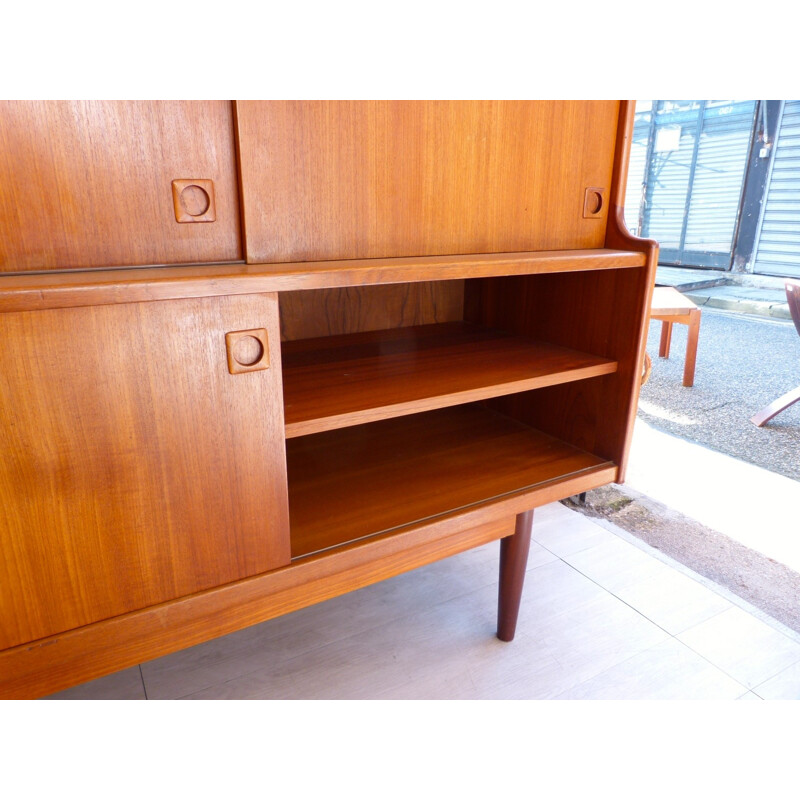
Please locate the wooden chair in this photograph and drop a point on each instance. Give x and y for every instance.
(669, 306)
(788, 399)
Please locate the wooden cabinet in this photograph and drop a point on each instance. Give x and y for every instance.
(90, 184)
(439, 327)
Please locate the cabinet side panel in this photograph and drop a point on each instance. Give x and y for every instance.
(88, 184)
(354, 309)
(136, 469)
(367, 179)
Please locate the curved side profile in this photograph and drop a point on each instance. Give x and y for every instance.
(790, 398)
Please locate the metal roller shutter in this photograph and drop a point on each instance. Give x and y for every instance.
(778, 248)
(718, 178)
(695, 153)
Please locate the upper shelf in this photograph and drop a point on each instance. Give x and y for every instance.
(338, 381)
(101, 287)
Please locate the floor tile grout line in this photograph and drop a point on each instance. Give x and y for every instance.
(712, 586)
(671, 635)
(749, 688)
(641, 613)
(636, 655)
(779, 672)
(144, 685)
(360, 632)
(372, 627)
(339, 640)
(621, 600)
(675, 636)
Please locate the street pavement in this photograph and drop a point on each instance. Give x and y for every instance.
(743, 363)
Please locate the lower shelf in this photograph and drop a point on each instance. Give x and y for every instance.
(355, 482)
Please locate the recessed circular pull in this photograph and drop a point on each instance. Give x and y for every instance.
(195, 200)
(247, 350)
(593, 201)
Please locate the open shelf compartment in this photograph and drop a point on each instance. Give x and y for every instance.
(338, 381)
(351, 483)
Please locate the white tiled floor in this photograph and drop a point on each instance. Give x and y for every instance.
(602, 617)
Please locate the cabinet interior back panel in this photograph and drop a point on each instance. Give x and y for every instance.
(88, 184)
(380, 179)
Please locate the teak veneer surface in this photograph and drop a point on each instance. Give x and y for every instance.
(88, 183)
(49, 290)
(379, 179)
(135, 468)
(346, 484)
(338, 381)
(353, 309)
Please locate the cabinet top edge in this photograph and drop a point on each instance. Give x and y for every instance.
(28, 292)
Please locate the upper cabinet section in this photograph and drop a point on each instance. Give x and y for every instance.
(382, 179)
(101, 184)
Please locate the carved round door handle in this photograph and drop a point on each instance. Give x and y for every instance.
(193, 200)
(248, 351)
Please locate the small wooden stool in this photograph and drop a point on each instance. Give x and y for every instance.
(670, 306)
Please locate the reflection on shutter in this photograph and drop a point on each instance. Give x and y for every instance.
(636, 167)
(669, 182)
(709, 171)
(779, 239)
(718, 178)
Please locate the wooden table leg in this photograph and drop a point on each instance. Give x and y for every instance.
(691, 348)
(666, 339)
(513, 562)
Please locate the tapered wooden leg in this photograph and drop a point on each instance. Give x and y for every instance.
(513, 562)
(691, 348)
(666, 339)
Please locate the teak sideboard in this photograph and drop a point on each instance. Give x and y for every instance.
(259, 354)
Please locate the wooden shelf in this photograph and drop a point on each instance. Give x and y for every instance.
(348, 484)
(34, 291)
(337, 381)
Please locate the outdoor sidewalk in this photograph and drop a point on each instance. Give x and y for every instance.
(746, 503)
(742, 293)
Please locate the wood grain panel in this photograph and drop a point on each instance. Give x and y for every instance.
(349, 380)
(89, 183)
(355, 482)
(365, 179)
(135, 467)
(328, 312)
